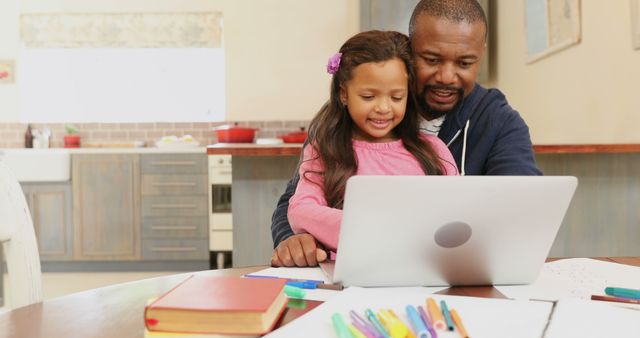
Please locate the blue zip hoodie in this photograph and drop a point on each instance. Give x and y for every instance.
(486, 137)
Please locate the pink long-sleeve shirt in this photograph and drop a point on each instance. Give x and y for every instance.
(308, 211)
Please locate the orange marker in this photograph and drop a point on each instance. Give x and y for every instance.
(437, 320)
(458, 321)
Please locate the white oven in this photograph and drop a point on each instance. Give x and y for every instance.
(220, 220)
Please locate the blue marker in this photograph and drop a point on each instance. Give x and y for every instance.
(447, 315)
(303, 285)
(416, 322)
(372, 318)
(288, 279)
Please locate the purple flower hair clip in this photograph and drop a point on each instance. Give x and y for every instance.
(334, 63)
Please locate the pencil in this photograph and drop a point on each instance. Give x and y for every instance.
(458, 322)
(337, 287)
(616, 299)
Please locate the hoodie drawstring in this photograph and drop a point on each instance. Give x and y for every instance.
(464, 148)
(464, 145)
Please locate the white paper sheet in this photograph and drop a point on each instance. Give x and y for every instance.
(576, 278)
(317, 274)
(482, 317)
(585, 319)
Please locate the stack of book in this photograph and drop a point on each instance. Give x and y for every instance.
(210, 306)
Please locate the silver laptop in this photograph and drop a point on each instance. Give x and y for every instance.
(445, 230)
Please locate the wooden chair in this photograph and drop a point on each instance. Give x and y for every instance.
(19, 242)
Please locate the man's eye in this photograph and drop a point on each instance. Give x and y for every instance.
(465, 64)
(431, 61)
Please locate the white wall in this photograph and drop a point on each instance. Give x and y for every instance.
(275, 50)
(581, 95)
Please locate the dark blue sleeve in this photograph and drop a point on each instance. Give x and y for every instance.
(280, 227)
(512, 151)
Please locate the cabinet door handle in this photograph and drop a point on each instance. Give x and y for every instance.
(221, 172)
(168, 249)
(170, 163)
(172, 228)
(174, 184)
(173, 206)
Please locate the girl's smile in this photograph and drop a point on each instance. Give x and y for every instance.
(376, 99)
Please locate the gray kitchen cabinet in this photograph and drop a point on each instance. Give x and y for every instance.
(50, 206)
(106, 207)
(174, 207)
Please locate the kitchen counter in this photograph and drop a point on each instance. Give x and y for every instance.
(252, 149)
(260, 173)
(89, 150)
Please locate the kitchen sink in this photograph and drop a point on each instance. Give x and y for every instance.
(38, 165)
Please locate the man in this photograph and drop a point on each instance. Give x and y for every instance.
(484, 134)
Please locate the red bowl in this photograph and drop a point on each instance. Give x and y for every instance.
(235, 134)
(295, 137)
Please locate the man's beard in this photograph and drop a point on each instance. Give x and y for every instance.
(432, 113)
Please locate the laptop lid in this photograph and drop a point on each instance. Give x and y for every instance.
(449, 230)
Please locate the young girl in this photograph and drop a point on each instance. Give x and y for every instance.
(368, 127)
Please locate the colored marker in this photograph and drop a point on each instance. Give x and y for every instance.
(419, 327)
(363, 326)
(458, 321)
(365, 330)
(372, 318)
(427, 321)
(447, 316)
(404, 326)
(303, 285)
(293, 292)
(437, 320)
(289, 279)
(355, 332)
(396, 328)
(622, 292)
(340, 326)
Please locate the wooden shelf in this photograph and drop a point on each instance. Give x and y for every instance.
(586, 148)
(251, 149)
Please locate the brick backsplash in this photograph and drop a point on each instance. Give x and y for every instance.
(12, 134)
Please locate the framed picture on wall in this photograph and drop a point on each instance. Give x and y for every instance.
(551, 26)
(7, 71)
(635, 24)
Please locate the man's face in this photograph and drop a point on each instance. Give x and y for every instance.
(447, 60)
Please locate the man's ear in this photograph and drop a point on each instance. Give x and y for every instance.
(343, 95)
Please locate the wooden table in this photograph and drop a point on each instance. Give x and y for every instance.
(117, 311)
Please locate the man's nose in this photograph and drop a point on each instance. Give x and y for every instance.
(446, 74)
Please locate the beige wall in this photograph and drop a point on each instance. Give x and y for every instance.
(275, 50)
(585, 94)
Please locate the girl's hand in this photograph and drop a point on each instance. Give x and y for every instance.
(298, 250)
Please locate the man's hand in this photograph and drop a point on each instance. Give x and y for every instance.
(298, 250)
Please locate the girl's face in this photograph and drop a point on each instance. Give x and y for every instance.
(376, 97)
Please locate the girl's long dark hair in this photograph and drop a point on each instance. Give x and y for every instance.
(330, 131)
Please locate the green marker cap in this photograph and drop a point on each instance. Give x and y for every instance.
(293, 292)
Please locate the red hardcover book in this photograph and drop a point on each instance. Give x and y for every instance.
(223, 305)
